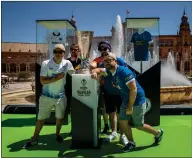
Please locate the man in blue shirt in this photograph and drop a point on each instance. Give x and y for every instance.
(111, 98)
(141, 41)
(133, 100)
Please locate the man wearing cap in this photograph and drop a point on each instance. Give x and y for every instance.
(53, 78)
(133, 99)
(111, 97)
(103, 46)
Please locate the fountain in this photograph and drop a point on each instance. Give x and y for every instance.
(175, 87)
(117, 39)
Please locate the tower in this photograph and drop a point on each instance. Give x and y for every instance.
(184, 44)
(184, 33)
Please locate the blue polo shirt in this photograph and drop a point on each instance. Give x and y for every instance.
(107, 80)
(141, 44)
(120, 79)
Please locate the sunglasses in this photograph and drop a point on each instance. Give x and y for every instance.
(108, 60)
(74, 50)
(58, 52)
(103, 49)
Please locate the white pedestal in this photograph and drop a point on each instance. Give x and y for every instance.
(86, 90)
(137, 66)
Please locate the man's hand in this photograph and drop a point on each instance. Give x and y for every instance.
(60, 75)
(94, 75)
(77, 67)
(129, 110)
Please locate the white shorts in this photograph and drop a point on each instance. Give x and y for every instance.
(46, 104)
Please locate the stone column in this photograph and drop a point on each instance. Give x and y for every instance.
(16, 68)
(8, 68)
(29, 68)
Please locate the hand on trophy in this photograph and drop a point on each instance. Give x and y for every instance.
(94, 76)
(77, 67)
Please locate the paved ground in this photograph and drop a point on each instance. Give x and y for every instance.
(17, 86)
(23, 94)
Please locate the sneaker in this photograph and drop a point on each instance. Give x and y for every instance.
(112, 136)
(59, 139)
(30, 144)
(129, 147)
(105, 130)
(124, 140)
(159, 137)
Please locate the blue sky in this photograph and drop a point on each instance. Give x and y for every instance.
(18, 18)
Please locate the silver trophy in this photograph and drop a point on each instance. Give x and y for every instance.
(84, 40)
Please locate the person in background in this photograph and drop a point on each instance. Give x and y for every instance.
(103, 46)
(53, 78)
(74, 51)
(133, 100)
(111, 97)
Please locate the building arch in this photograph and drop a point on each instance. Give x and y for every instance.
(23, 67)
(32, 67)
(178, 65)
(187, 66)
(13, 67)
(3, 67)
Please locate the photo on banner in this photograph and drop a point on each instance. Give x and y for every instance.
(142, 43)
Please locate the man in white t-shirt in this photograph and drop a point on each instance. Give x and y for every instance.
(53, 78)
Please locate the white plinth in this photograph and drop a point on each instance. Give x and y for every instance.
(86, 90)
(137, 66)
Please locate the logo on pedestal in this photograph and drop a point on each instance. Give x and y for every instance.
(148, 105)
(84, 91)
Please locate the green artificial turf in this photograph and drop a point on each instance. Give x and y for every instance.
(17, 129)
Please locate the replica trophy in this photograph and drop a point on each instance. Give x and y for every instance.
(84, 103)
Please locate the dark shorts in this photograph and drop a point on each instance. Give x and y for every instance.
(101, 98)
(112, 103)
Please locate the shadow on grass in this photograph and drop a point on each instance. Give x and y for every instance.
(48, 142)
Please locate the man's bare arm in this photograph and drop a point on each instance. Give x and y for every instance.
(95, 73)
(93, 65)
(47, 80)
(99, 71)
(132, 93)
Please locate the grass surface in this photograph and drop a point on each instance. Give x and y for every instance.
(17, 129)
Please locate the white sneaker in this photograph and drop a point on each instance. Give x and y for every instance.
(124, 140)
(112, 136)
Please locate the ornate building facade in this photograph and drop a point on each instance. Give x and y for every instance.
(180, 46)
(20, 57)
